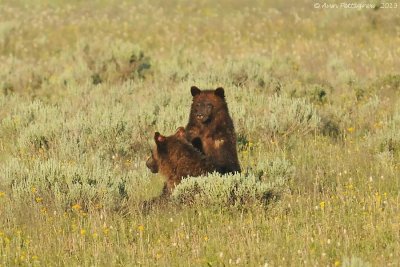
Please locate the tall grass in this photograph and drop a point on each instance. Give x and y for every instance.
(313, 94)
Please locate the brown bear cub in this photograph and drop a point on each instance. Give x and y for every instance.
(175, 158)
(210, 129)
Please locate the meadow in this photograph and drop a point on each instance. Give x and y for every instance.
(314, 94)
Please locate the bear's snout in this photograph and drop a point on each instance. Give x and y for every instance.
(152, 165)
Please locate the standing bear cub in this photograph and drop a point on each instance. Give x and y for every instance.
(210, 129)
(175, 158)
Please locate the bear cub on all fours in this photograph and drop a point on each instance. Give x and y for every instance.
(175, 158)
(211, 130)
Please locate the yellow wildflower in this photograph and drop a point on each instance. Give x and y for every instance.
(106, 231)
(76, 207)
(378, 198)
(322, 204)
(350, 186)
(141, 228)
(83, 232)
(38, 199)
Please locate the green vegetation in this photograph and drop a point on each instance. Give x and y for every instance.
(314, 95)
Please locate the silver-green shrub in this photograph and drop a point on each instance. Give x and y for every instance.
(285, 117)
(236, 189)
(87, 60)
(66, 183)
(278, 170)
(354, 261)
(386, 139)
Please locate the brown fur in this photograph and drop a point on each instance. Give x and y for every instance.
(175, 158)
(211, 129)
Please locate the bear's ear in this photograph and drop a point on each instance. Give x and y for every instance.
(180, 132)
(194, 90)
(158, 138)
(220, 92)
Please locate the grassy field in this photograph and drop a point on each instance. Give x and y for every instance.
(314, 94)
